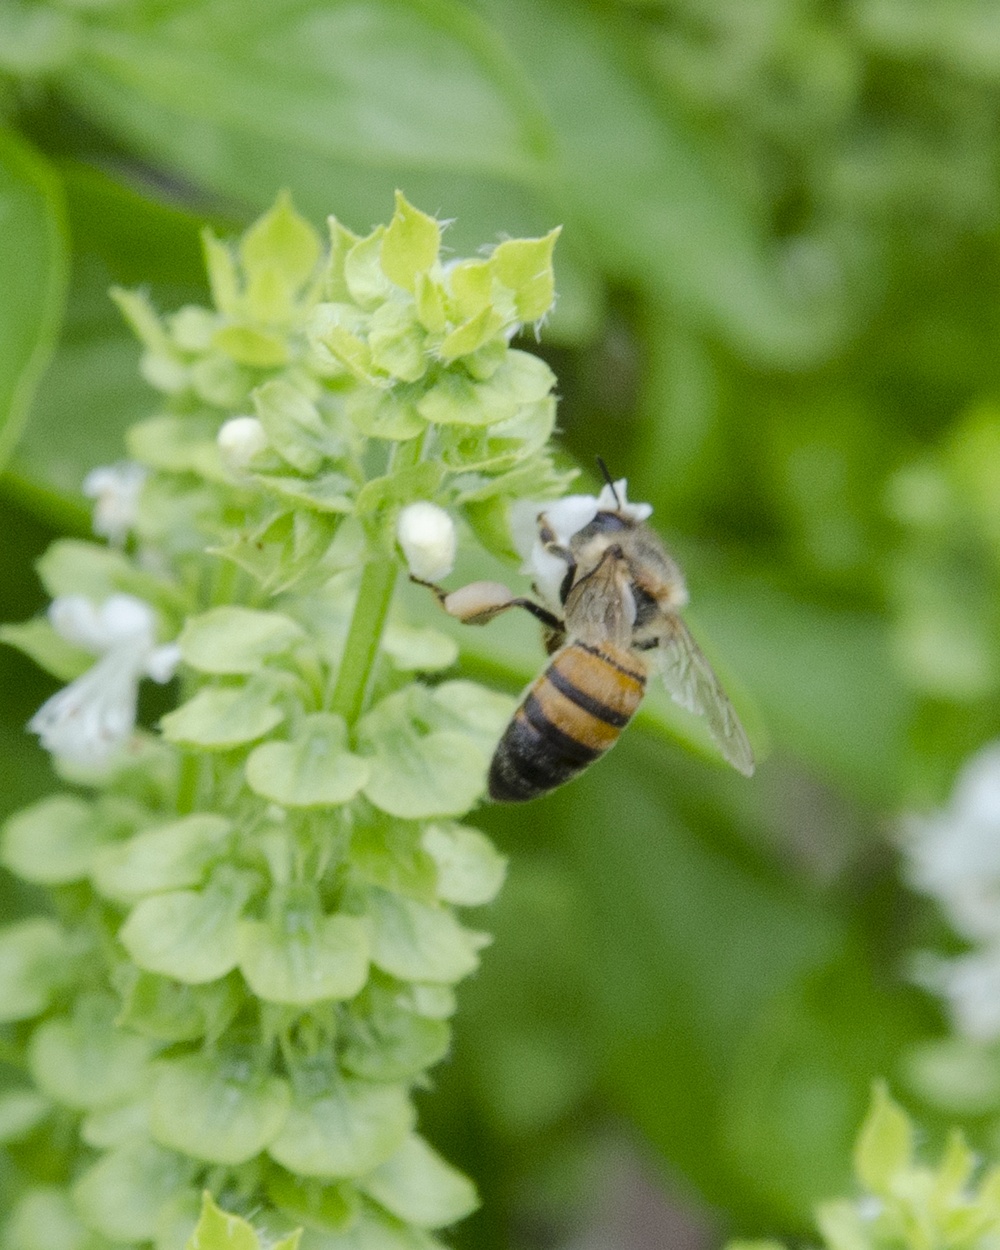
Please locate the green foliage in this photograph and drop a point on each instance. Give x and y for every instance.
(776, 315)
(908, 1205)
(256, 967)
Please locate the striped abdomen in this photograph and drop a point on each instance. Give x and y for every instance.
(573, 712)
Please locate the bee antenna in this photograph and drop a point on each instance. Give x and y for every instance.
(607, 477)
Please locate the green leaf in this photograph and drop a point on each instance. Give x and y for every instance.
(283, 241)
(621, 143)
(418, 649)
(428, 90)
(315, 769)
(366, 282)
(72, 567)
(520, 381)
(387, 853)
(190, 935)
(397, 342)
(300, 957)
(34, 267)
(44, 1219)
(178, 445)
(20, 1111)
(384, 1042)
(330, 492)
(430, 750)
(83, 1061)
(470, 869)
(221, 717)
(470, 336)
(230, 639)
(222, 1112)
(416, 942)
(418, 1186)
(884, 1147)
(347, 1130)
(417, 482)
(220, 1230)
(842, 1225)
(380, 414)
(294, 426)
(110, 1127)
(525, 265)
(410, 245)
(120, 1196)
(36, 638)
(54, 842)
(168, 857)
(169, 1011)
(316, 1204)
(35, 962)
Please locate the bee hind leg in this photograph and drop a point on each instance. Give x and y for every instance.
(479, 602)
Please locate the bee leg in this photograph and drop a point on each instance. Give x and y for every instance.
(479, 602)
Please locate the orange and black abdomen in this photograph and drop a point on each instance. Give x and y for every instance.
(572, 714)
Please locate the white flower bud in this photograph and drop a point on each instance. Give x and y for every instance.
(426, 533)
(240, 439)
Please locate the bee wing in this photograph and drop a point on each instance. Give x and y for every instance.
(692, 683)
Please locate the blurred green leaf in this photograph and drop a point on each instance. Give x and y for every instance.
(33, 266)
(632, 176)
(92, 390)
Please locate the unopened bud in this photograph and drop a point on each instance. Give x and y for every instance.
(426, 534)
(240, 439)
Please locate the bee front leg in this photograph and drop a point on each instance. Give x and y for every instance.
(479, 602)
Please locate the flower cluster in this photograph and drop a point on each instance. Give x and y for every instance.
(253, 943)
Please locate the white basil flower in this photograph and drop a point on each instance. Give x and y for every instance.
(953, 855)
(426, 534)
(564, 518)
(92, 718)
(115, 490)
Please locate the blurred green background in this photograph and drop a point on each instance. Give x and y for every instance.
(778, 317)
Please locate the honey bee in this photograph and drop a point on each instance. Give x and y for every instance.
(620, 594)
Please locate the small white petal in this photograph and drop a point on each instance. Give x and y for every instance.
(548, 572)
(617, 501)
(426, 534)
(127, 619)
(116, 490)
(93, 717)
(977, 790)
(78, 621)
(568, 516)
(239, 440)
(971, 985)
(162, 662)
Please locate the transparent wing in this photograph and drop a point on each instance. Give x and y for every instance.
(692, 683)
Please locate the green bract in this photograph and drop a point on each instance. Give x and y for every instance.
(259, 950)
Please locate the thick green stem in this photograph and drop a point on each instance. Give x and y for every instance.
(374, 597)
(378, 581)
